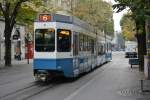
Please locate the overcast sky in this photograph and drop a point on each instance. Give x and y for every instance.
(117, 17)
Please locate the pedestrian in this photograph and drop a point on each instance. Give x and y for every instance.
(19, 56)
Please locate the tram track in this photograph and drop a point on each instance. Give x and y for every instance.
(29, 91)
(18, 90)
(40, 90)
(13, 81)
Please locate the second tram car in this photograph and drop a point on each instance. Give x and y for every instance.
(65, 45)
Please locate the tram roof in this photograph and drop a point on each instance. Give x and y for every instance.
(69, 19)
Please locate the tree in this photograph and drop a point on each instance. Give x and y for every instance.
(10, 19)
(10, 10)
(128, 27)
(97, 13)
(138, 9)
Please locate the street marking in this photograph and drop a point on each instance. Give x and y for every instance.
(79, 90)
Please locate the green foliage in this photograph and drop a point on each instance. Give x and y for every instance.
(96, 12)
(140, 8)
(140, 12)
(26, 15)
(128, 28)
(27, 12)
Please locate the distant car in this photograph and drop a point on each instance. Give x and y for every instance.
(130, 54)
(130, 49)
(121, 50)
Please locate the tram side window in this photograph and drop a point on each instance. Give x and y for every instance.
(87, 49)
(84, 43)
(45, 40)
(88, 43)
(92, 46)
(81, 42)
(102, 49)
(75, 44)
(105, 48)
(99, 49)
(109, 47)
(63, 40)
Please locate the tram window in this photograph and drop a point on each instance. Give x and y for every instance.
(88, 44)
(81, 42)
(63, 40)
(92, 46)
(84, 42)
(102, 50)
(99, 49)
(75, 44)
(45, 40)
(105, 48)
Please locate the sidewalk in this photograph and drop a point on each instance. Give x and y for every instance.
(16, 62)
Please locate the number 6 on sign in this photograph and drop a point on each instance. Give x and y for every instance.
(44, 17)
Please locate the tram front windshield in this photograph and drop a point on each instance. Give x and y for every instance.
(45, 40)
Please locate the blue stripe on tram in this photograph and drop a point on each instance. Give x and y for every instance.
(64, 65)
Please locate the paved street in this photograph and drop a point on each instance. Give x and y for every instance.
(112, 81)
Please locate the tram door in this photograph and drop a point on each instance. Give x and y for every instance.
(75, 52)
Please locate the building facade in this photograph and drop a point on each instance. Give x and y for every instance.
(118, 42)
(17, 40)
(62, 6)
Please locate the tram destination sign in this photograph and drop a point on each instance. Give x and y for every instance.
(45, 17)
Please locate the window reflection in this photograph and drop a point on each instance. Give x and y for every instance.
(45, 40)
(63, 40)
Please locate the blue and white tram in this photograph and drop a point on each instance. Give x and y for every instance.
(64, 45)
(101, 48)
(108, 48)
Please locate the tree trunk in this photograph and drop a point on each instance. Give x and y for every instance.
(141, 39)
(148, 45)
(7, 33)
(9, 14)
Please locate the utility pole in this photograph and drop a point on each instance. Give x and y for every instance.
(148, 48)
(0, 44)
(71, 2)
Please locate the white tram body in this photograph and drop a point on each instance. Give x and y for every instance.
(65, 45)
